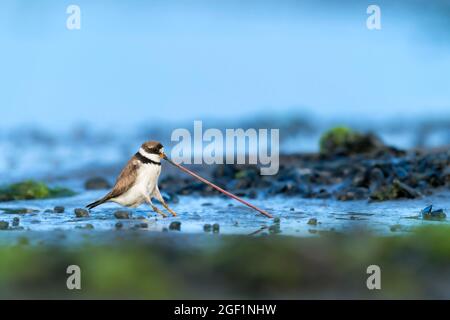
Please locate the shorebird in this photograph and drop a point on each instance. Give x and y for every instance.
(138, 181)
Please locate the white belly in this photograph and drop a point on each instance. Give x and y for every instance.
(144, 186)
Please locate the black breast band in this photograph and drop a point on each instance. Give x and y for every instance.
(143, 159)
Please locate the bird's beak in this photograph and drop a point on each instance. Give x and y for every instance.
(163, 155)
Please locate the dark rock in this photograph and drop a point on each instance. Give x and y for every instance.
(400, 172)
(312, 221)
(81, 213)
(215, 227)
(122, 214)
(175, 225)
(376, 179)
(353, 194)
(142, 225)
(96, 183)
(321, 194)
(395, 191)
(58, 209)
(276, 220)
(16, 222)
(207, 227)
(4, 225)
(119, 225)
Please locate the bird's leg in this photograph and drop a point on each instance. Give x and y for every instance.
(155, 208)
(161, 199)
(168, 209)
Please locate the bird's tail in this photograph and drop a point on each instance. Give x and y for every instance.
(96, 203)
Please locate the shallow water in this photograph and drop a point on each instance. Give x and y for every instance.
(382, 218)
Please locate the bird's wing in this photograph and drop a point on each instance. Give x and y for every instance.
(126, 178)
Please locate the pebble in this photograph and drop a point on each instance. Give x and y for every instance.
(81, 213)
(207, 227)
(215, 227)
(175, 225)
(122, 214)
(58, 209)
(15, 221)
(141, 225)
(312, 221)
(119, 225)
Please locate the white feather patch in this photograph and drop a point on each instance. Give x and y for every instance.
(153, 157)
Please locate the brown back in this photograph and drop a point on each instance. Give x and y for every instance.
(126, 178)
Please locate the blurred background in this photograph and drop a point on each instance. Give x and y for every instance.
(136, 70)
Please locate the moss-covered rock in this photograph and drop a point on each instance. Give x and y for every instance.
(396, 190)
(343, 140)
(31, 189)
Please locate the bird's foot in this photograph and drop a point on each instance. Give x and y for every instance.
(173, 213)
(159, 211)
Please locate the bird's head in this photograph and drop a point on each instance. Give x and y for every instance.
(154, 147)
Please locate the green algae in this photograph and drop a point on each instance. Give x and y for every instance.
(31, 189)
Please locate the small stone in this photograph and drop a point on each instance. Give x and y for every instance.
(276, 220)
(119, 225)
(58, 209)
(4, 225)
(141, 225)
(207, 227)
(81, 213)
(206, 204)
(175, 225)
(165, 229)
(292, 209)
(312, 221)
(275, 228)
(215, 227)
(96, 183)
(122, 214)
(16, 221)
